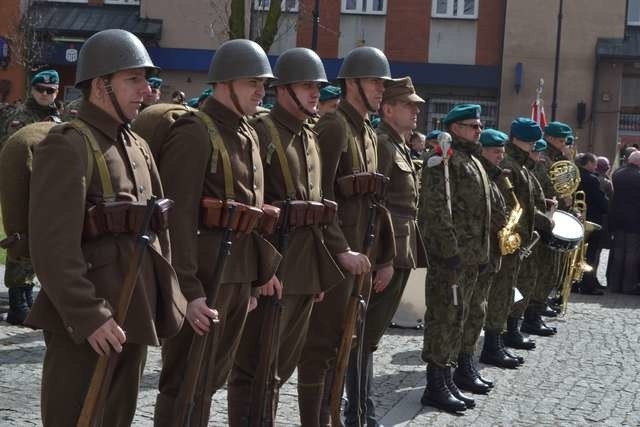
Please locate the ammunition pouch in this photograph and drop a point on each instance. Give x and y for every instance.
(306, 213)
(222, 214)
(363, 184)
(124, 217)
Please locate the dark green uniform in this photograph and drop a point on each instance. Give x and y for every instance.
(460, 237)
(337, 133)
(307, 267)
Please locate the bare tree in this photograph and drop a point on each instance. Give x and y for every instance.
(269, 28)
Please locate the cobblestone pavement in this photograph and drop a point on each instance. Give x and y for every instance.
(587, 374)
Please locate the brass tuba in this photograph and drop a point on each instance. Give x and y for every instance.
(509, 240)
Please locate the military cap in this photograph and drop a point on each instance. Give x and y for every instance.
(46, 77)
(540, 145)
(570, 140)
(400, 90)
(558, 130)
(329, 92)
(493, 138)
(526, 130)
(433, 134)
(462, 112)
(155, 82)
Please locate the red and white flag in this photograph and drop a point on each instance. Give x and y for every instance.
(537, 113)
(537, 108)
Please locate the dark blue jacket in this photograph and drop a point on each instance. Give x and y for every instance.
(597, 202)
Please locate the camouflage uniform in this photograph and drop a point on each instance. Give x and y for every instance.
(501, 298)
(457, 244)
(478, 306)
(547, 278)
(29, 112)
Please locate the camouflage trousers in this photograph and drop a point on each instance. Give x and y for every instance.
(549, 264)
(477, 312)
(527, 282)
(18, 273)
(501, 294)
(443, 320)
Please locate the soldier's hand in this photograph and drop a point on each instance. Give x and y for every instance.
(272, 287)
(253, 303)
(318, 297)
(200, 316)
(109, 335)
(354, 262)
(382, 277)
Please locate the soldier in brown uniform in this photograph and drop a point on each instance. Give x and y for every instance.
(400, 107)
(193, 167)
(92, 161)
(347, 145)
(16, 161)
(307, 268)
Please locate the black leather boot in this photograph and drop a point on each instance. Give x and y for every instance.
(548, 311)
(533, 324)
(493, 352)
(481, 378)
(466, 377)
(448, 380)
(514, 339)
(18, 308)
(438, 395)
(514, 356)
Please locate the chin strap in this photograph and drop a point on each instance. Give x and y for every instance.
(234, 99)
(364, 97)
(293, 96)
(114, 101)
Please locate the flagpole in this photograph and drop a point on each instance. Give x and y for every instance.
(554, 103)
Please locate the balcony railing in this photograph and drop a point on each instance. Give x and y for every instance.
(629, 122)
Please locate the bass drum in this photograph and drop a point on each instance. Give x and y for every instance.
(567, 232)
(410, 312)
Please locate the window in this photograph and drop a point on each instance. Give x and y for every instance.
(373, 7)
(633, 15)
(287, 5)
(460, 9)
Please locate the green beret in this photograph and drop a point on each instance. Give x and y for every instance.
(558, 130)
(570, 140)
(462, 112)
(155, 82)
(193, 102)
(329, 92)
(493, 138)
(433, 134)
(47, 77)
(541, 145)
(375, 121)
(526, 130)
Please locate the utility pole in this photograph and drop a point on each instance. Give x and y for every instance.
(316, 22)
(554, 103)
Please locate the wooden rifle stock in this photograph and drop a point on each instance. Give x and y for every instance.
(96, 396)
(186, 394)
(264, 389)
(356, 304)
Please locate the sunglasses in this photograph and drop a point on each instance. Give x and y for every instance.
(475, 126)
(45, 89)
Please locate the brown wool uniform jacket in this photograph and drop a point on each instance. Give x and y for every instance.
(394, 161)
(348, 230)
(186, 171)
(82, 280)
(307, 267)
